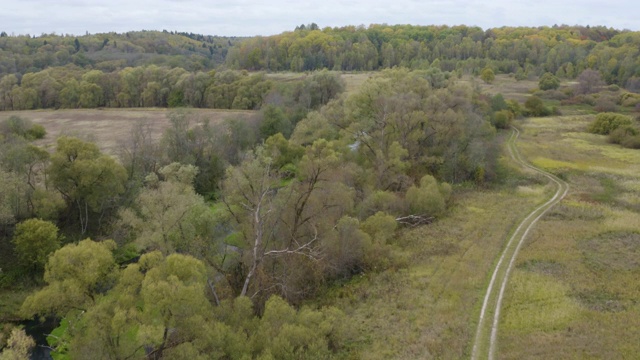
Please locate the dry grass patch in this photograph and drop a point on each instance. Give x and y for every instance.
(108, 127)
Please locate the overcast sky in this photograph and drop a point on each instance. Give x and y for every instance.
(252, 17)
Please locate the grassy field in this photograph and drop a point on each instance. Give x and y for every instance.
(575, 291)
(109, 127)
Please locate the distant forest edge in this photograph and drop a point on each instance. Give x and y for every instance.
(166, 69)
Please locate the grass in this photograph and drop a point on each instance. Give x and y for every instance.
(426, 310)
(575, 291)
(110, 127)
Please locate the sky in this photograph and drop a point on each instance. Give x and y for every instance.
(253, 17)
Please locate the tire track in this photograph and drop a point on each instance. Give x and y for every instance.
(487, 332)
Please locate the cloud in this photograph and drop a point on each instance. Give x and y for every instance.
(251, 17)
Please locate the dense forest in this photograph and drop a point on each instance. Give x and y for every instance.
(149, 69)
(562, 50)
(212, 241)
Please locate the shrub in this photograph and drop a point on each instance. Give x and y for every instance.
(535, 107)
(502, 119)
(548, 81)
(430, 198)
(36, 132)
(606, 122)
(606, 104)
(619, 135)
(629, 99)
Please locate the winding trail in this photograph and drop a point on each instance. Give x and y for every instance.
(484, 345)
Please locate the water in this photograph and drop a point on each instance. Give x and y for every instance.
(38, 330)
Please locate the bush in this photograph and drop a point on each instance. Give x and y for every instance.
(502, 119)
(606, 104)
(548, 81)
(430, 199)
(535, 107)
(629, 99)
(607, 122)
(36, 132)
(619, 135)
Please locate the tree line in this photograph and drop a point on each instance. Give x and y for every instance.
(223, 227)
(155, 86)
(107, 52)
(526, 52)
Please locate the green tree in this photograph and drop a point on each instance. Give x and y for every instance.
(168, 215)
(487, 75)
(548, 81)
(274, 121)
(75, 275)
(88, 180)
(34, 240)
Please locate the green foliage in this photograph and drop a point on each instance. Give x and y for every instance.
(605, 123)
(502, 119)
(487, 75)
(498, 103)
(17, 126)
(380, 226)
(19, 346)
(430, 198)
(34, 240)
(87, 179)
(548, 81)
(535, 107)
(12, 197)
(168, 215)
(160, 306)
(75, 275)
(274, 121)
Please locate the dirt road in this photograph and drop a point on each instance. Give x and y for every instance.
(484, 346)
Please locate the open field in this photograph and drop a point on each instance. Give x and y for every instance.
(575, 288)
(108, 127)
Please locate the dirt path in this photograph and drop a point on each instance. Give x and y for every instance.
(484, 345)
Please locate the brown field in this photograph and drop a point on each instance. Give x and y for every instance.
(108, 127)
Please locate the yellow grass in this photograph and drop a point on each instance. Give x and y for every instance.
(109, 127)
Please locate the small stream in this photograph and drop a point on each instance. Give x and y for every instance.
(38, 330)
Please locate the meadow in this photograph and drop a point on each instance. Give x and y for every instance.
(574, 292)
(108, 128)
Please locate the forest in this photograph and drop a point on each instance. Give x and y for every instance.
(226, 239)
